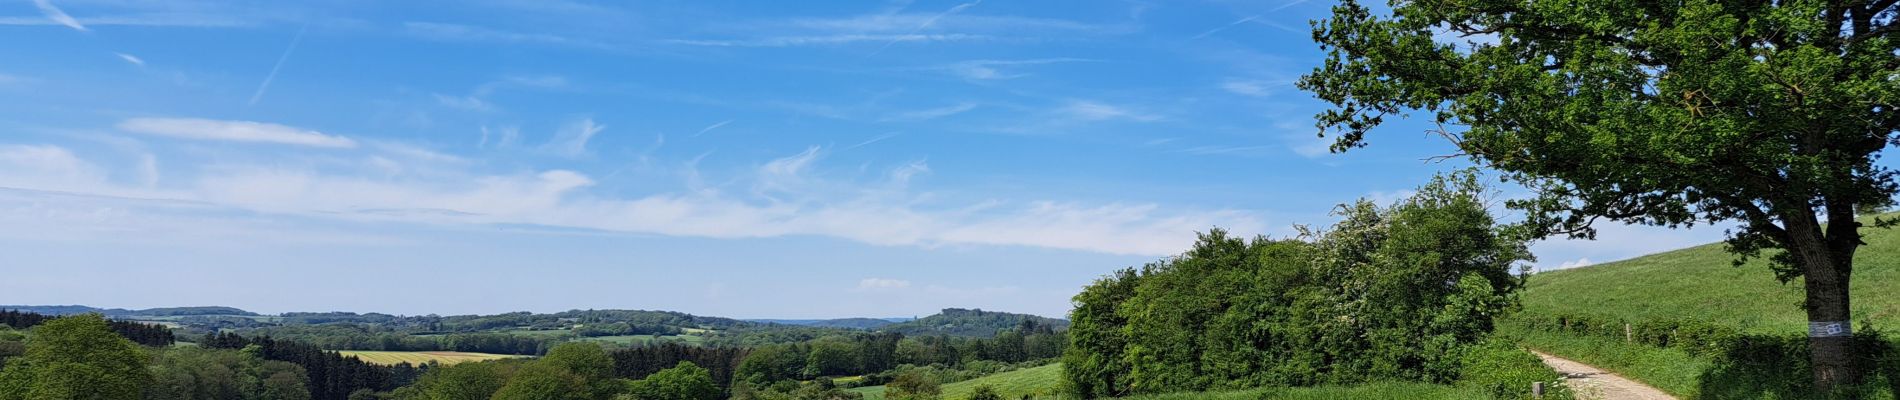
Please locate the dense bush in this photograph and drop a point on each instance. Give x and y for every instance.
(912, 385)
(1504, 371)
(1388, 293)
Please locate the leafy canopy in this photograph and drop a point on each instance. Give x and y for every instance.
(76, 357)
(1664, 113)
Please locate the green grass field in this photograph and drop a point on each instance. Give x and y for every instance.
(421, 357)
(1039, 382)
(1697, 283)
(1700, 282)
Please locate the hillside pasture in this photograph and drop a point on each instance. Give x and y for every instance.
(1701, 283)
(421, 357)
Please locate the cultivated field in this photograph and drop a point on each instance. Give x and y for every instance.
(421, 357)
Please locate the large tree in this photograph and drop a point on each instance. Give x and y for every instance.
(76, 357)
(1769, 114)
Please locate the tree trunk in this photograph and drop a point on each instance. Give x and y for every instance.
(1826, 262)
(1831, 350)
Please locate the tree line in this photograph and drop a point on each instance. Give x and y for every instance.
(350, 336)
(332, 375)
(141, 333)
(870, 353)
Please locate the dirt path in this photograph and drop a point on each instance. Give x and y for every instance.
(1591, 383)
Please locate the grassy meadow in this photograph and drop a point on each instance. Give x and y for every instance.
(421, 357)
(1038, 382)
(1700, 282)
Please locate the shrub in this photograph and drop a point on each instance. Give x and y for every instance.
(985, 392)
(912, 385)
(1386, 293)
(1499, 368)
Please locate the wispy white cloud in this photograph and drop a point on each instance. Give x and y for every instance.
(941, 22)
(932, 113)
(1288, 4)
(881, 284)
(889, 28)
(571, 140)
(135, 60)
(477, 99)
(829, 40)
(1096, 111)
(1302, 138)
(502, 137)
(148, 19)
(710, 128)
(56, 15)
(1251, 87)
(265, 86)
(874, 139)
(48, 167)
(464, 102)
(793, 196)
(1230, 150)
(468, 33)
(979, 70)
(414, 152)
(1247, 19)
(933, 20)
(235, 131)
(544, 82)
(1581, 262)
(901, 176)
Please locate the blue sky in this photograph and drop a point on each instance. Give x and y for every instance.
(746, 159)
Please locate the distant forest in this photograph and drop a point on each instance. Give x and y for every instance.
(296, 355)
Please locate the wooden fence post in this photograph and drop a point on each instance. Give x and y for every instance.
(1537, 389)
(1627, 337)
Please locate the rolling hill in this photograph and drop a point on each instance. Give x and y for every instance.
(847, 323)
(970, 323)
(1701, 283)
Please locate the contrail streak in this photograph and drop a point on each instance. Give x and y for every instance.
(263, 87)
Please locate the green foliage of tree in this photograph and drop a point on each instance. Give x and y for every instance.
(912, 385)
(465, 381)
(772, 363)
(1388, 293)
(199, 373)
(1094, 358)
(543, 381)
(683, 382)
(1766, 114)
(585, 359)
(76, 357)
(832, 358)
